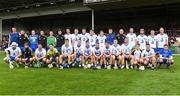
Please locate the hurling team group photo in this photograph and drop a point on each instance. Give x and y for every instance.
(89, 49)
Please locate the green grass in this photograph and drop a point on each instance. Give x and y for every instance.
(89, 82)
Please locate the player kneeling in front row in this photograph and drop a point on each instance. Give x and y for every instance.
(117, 56)
(13, 54)
(78, 52)
(148, 58)
(137, 56)
(27, 57)
(66, 55)
(87, 59)
(166, 57)
(127, 57)
(107, 55)
(39, 56)
(97, 55)
(52, 57)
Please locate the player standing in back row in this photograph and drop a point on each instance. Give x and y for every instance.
(14, 36)
(142, 39)
(101, 39)
(132, 37)
(152, 40)
(84, 37)
(51, 40)
(60, 40)
(33, 39)
(162, 39)
(92, 38)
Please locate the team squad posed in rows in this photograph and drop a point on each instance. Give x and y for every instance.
(89, 50)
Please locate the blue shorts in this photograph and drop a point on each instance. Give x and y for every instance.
(78, 55)
(33, 47)
(165, 61)
(59, 49)
(12, 58)
(92, 45)
(21, 47)
(53, 59)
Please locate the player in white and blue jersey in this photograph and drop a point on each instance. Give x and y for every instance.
(92, 38)
(39, 56)
(66, 54)
(127, 56)
(97, 55)
(107, 55)
(84, 37)
(152, 40)
(87, 59)
(148, 57)
(101, 39)
(116, 55)
(68, 36)
(162, 39)
(132, 37)
(78, 53)
(13, 54)
(75, 37)
(137, 55)
(142, 39)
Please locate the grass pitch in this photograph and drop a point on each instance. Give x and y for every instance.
(89, 82)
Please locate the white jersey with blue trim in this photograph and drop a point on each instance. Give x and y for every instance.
(137, 54)
(84, 38)
(92, 39)
(152, 40)
(69, 37)
(79, 49)
(101, 40)
(40, 53)
(116, 50)
(126, 49)
(97, 51)
(66, 49)
(132, 39)
(148, 53)
(75, 37)
(161, 39)
(142, 39)
(87, 51)
(107, 50)
(13, 52)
